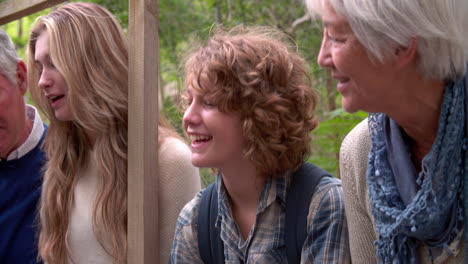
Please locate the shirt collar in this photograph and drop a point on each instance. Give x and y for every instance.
(33, 138)
(274, 188)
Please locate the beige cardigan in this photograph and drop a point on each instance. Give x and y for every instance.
(353, 166)
(179, 182)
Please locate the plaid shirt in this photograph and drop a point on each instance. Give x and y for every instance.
(326, 242)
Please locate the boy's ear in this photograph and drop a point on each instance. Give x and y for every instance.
(405, 55)
(21, 77)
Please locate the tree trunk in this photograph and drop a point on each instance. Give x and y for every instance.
(219, 18)
(162, 95)
(243, 11)
(331, 94)
(229, 11)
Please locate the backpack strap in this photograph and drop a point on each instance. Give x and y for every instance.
(465, 202)
(209, 237)
(301, 190)
(466, 102)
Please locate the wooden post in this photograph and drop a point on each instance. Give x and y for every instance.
(143, 226)
(11, 10)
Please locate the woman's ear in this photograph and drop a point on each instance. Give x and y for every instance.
(405, 55)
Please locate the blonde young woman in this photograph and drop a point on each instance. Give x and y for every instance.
(77, 57)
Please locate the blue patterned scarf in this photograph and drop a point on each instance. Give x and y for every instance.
(403, 227)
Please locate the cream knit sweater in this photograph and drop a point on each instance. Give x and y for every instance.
(179, 182)
(353, 166)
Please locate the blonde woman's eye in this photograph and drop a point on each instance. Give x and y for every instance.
(38, 68)
(52, 65)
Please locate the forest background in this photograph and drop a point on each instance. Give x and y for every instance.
(181, 22)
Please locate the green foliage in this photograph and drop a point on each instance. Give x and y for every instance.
(173, 114)
(19, 31)
(207, 176)
(180, 22)
(328, 136)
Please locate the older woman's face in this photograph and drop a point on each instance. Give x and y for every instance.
(364, 84)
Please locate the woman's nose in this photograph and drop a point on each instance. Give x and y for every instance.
(44, 80)
(324, 58)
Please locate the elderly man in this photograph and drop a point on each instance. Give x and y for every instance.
(21, 158)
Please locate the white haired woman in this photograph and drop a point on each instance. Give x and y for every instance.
(402, 168)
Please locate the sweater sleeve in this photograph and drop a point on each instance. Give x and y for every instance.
(179, 182)
(353, 166)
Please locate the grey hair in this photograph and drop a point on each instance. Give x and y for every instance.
(8, 57)
(439, 28)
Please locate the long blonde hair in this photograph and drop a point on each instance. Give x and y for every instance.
(89, 48)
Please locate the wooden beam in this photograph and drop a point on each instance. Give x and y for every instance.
(143, 224)
(11, 10)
